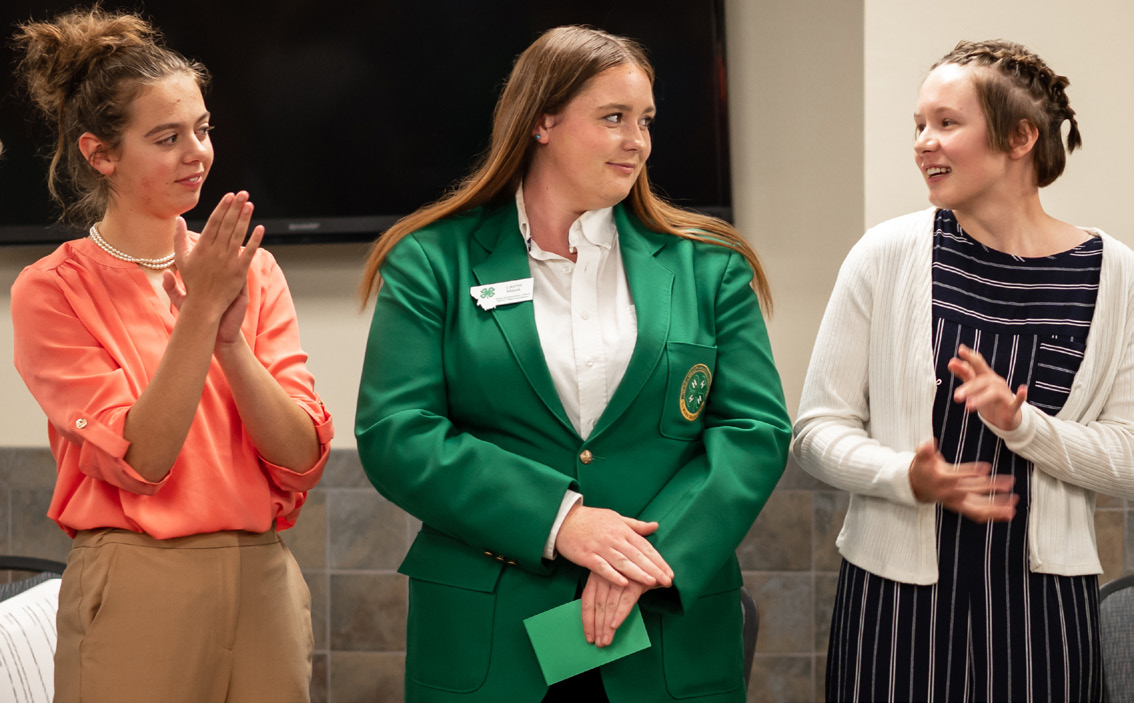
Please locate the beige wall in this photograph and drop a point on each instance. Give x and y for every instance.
(818, 153)
(1086, 41)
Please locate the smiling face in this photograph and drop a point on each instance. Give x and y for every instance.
(594, 150)
(952, 147)
(165, 153)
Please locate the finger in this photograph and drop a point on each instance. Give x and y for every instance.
(169, 283)
(961, 369)
(1021, 397)
(642, 528)
(588, 607)
(209, 233)
(971, 469)
(602, 593)
(609, 611)
(625, 604)
(236, 221)
(180, 240)
(603, 568)
(634, 569)
(999, 508)
(252, 245)
(975, 359)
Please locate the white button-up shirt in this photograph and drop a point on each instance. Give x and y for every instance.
(586, 321)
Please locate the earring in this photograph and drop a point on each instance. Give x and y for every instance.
(539, 138)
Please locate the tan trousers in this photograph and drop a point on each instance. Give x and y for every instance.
(214, 618)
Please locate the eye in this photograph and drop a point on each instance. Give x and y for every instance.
(168, 141)
(203, 131)
(948, 122)
(613, 118)
(918, 129)
(647, 121)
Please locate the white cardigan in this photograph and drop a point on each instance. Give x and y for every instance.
(868, 402)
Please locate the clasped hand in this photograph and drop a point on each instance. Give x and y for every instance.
(622, 562)
(215, 270)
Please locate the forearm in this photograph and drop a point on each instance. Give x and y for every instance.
(282, 432)
(159, 421)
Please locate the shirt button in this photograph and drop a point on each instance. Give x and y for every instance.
(586, 457)
(566, 269)
(585, 315)
(590, 361)
(80, 423)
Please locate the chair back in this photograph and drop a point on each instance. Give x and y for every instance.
(1116, 629)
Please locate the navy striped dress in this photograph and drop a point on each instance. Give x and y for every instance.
(990, 629)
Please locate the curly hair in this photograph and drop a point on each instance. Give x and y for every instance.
(83, 70)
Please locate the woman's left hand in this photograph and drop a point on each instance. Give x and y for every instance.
(984, 391)
(605, 607)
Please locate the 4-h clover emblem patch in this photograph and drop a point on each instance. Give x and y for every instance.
(487, 292)
(694, 391)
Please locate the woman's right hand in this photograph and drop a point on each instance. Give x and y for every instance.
(612, 546)
(966, 488)
(215, 270)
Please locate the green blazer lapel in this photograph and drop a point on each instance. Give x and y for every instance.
(651, 286)
(507, 260)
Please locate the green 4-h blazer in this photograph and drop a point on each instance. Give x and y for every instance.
(459, 423)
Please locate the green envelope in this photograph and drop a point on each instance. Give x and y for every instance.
(563, 650)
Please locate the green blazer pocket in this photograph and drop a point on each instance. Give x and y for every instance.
(703, 650)
(452, 596)
(688, 387)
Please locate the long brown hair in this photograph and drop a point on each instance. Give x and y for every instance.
(546, 77)
(83, 69)
(1016, 84)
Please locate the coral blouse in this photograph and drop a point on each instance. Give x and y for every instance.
(90, 331)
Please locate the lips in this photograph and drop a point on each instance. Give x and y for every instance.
(195, 179)
(625, 168)
(932, 171)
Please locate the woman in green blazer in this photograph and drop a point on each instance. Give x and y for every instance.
(569, 381)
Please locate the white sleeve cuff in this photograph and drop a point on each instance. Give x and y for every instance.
(570, 498)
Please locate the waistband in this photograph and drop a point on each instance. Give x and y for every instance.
(207, 540)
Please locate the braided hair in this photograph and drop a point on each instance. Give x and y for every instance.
(83, 70)
(1018, 85)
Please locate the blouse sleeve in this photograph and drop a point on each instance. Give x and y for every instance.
(275, 342)
(84, 393)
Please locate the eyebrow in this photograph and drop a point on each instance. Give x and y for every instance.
(624, 108)
(173, 125)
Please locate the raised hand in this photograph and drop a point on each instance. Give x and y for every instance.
(965, 488)
(612, 546)
(983, 390)
(215, 270)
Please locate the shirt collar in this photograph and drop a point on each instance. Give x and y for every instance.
(594, 227)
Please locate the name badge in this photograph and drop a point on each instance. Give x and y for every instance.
(503, 293)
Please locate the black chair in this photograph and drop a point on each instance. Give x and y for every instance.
(45, 569)
(751, 630)
(1116, 626)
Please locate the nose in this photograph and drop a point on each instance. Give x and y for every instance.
(198, 149)
(636, 137)
(925, 141)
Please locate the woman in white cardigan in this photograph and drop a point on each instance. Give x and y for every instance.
(972, 387)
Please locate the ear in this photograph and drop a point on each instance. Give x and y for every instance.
(97, 153)
(1023, 140)
(542, 130)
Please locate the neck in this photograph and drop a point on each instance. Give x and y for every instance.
(548, 218)
(136, 234)
(1019, 226)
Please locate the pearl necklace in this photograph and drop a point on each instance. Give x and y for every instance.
(156, 264)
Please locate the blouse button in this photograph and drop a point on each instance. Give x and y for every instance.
(80, 423)
(585, 315)
(586, 457)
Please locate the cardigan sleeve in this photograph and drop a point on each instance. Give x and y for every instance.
(833, 439)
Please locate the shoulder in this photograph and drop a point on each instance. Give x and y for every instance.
(900, 232)
(452, 231)
(47, 270)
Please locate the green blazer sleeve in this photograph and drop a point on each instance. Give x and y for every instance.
(707, 507)
(456, 479)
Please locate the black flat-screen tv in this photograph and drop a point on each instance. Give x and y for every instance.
(339, 118)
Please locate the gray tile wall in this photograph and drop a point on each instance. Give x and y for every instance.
(349, 541)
